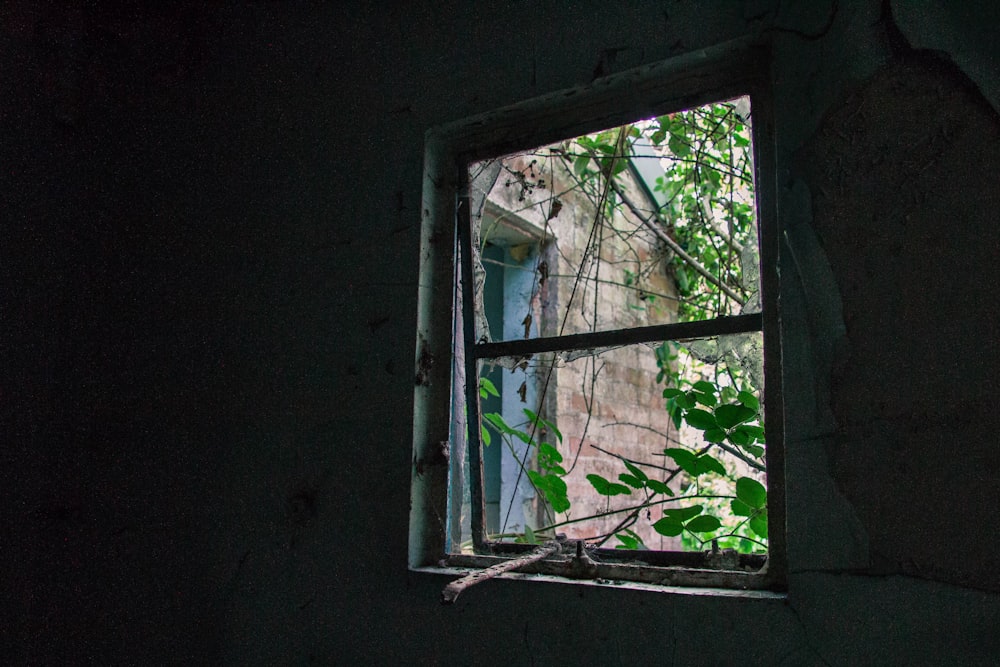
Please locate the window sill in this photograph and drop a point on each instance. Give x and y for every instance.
(725, 569)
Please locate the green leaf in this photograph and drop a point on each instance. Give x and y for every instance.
(533, 418)
(714, 177)
(580, 166)
(681, 457)
(758, 524)
(501, 426)
(740, 508)
(599, 483)
(683, 282)
(678, 146)
(700, 419)
(547, 451)
(553, 488)
(711, 464)
(657, 486)
(755, 450)
(683, 514)
(497, 421)
(639, 474)
(740, 438)
(631, 481)
(751, 492)
(552, 427)
(628, 542)
(754, 432)
(749, 400)
(522, 436)
(693, 464)
(606, 488)
(708, 400)
(669, 527)
(671, 392)
(686, 400)
(703, 524)
(715, 435)
(675, 412)
(704, 386)
(549, 459)
(730, 415)
(490, 388)
(529, 535)
(485, 435)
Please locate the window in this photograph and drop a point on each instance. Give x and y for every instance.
(598, 326)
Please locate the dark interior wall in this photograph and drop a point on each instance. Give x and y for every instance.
(886, 171)
(208, 262)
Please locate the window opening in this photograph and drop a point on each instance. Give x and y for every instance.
(608, 370)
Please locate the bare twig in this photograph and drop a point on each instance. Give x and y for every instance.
(673, 471)
(740, 455)
(708, 216)
(679, 251)
(590, 410)
(455, 588)
(627, 522)
(630, 508)
(668, 438)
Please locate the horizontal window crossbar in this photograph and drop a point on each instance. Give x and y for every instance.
(585, 341)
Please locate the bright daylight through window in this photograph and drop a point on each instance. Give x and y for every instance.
(608, 380)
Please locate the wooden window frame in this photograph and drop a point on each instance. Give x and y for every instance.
(722, 72)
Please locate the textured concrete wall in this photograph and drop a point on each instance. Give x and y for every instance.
(208, 260)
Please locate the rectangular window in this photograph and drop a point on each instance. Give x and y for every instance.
(611, 369)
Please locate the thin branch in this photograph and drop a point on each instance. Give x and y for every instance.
(590, 409)
(455, 588)
(679, 251)
(648, 503)
(708, 216)
(625, 523)
(741, 456)
(576, 283)
(668, 438)
(613, 283)
(637, 462)
(733, 534)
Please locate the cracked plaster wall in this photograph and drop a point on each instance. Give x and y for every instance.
(210, 222)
